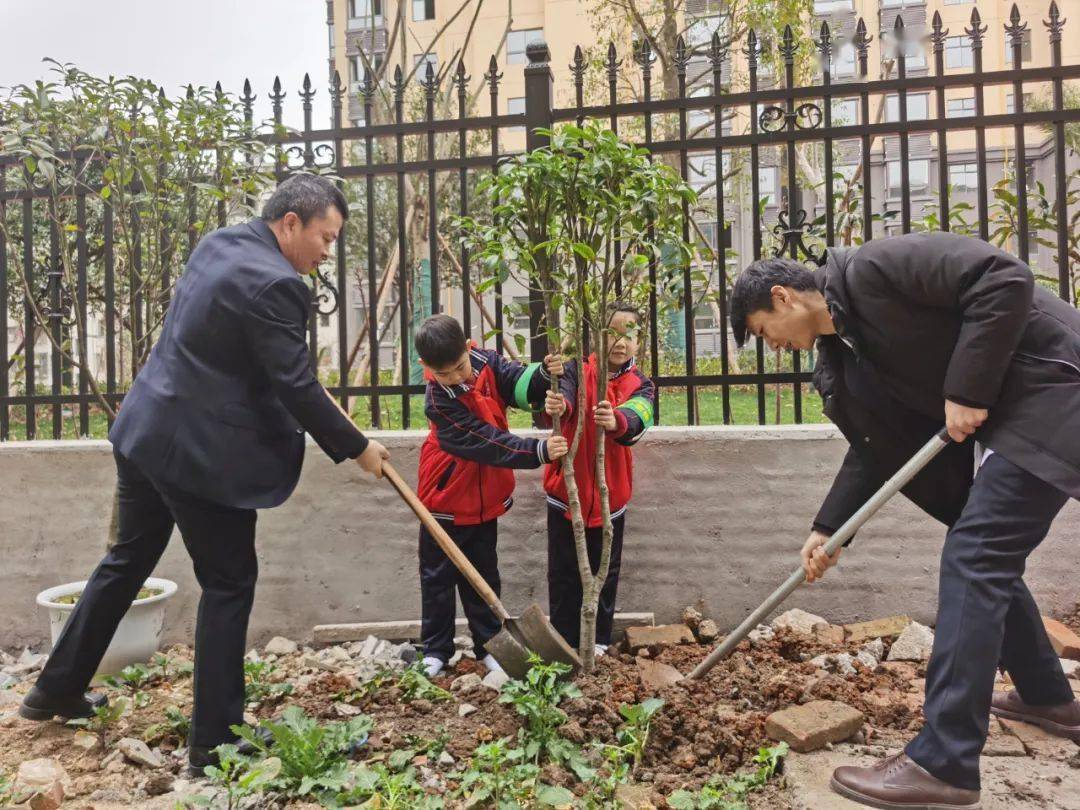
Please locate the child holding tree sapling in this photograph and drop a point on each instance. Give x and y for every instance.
(621, 418)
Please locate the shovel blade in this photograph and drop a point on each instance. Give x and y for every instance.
(509, 652)
(541, 637)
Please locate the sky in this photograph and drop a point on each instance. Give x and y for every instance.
(175, 42)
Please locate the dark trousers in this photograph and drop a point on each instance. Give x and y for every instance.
(564, 580)
(439, 578)
(221, 543)
(987, 618)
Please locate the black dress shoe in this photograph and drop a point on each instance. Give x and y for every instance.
(199, 756)
(39, 706)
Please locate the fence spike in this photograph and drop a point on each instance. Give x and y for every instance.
(1056, 24)
(938, 35)
(976, 31)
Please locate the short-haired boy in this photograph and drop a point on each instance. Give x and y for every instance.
(622, 417)
(466, 474)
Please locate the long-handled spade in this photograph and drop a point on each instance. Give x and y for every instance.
(530, 631)
(912, 468)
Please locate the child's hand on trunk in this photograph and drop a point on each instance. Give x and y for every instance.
(554, 404)
(605, 415)
(557, 447)
(554, 365)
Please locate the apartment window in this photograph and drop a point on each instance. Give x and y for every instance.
(517, 41)
(332, 49)
(697, 119)
(918, 176)
(520, 311)
(764, 50)
(431, 59)
(357, 71)
(916, 107)
(767, 178)
(708, 234)
(1010, 103)
(831, 6)
(902, 3)
(960, 107)
(423, 10)
(958, 52)
(516, 106)
(843, 60)
(703, 317)
(964, 176)
(701, 170)
(958, 2)
(1025, 48)
(700, 31)
(914, 56)
(362, 11)
(845, 112)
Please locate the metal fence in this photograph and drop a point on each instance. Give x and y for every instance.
(772, 120)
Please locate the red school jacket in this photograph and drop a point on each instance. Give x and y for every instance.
(468, 460)
(632, 394)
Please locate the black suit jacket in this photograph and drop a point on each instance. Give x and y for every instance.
(221, 407)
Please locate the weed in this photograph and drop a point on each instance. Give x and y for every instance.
(175, 725)
(313, 755)
(503, 778)
(241, 776)
(168, 668)
(104, 719)
(414, 685)
(623, 758)
(729, 793)
(259, 683)
(381, 786)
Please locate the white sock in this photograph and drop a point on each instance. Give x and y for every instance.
(432, 666)
(600, 649)
(491, 664)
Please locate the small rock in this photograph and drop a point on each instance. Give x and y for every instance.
(47, 801)
(250, 719)
(495, 679)
(634, 797)
(422, 706)
(336, 654)
(41, 777)
(279, 645)
(139, 752)
(454, 659)
(890, 627)
(1071, 668)
(408, 653)
(466, 683)
(26, 664)
(157, 784)
(905, 670)
(318, 662)
(1064, 641)
(1000, 743)
(876, 648)
(814, 724)
(691, 617)
(1039, 743)
(85, 740)
(346, 709)
(659, 635)
(760, 634)
(445, 759)
(707, 630)
(7, 681)
(9, 700)
(655, 675)
(368, 648)
(465, 709)
(798, 621)
(840, 663)
(914, 644)
(829, 634)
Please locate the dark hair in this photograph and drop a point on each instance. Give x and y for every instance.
(307, 196)
(619, 305)
(753, 289)
(439, 341)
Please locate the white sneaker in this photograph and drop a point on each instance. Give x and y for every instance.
(600, 650)
(491, 664)
(432, 666)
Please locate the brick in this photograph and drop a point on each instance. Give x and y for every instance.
(662, 634)
(1000, 743)
(890, 627)
(409, 630)
(1037, 742)
(655, 675)
(634, 797)
(830, 634)
(814, 725)
(1066, 643)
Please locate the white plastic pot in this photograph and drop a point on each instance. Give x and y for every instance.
(137, 638)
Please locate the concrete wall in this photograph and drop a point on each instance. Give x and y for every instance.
(718, 517)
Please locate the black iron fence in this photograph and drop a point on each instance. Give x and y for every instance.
(783, 166)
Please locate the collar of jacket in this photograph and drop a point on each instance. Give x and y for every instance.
(477, 359)
(614, 375)
(262, 230)
(831, 280)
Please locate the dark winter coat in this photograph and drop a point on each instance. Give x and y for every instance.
(926, 317)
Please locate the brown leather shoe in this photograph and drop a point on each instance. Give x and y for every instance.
(898, 783)
(1062, 720)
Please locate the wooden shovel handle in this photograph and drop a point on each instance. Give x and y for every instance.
(449, 547)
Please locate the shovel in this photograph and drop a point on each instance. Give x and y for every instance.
(530, 631)
(929, 450)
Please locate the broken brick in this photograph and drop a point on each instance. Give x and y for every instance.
(660, 635)
(891, 627)
(1037, 742)
(655, 675)
(830, 634)
(1001, 743)
(1065, 642)
(813, 725)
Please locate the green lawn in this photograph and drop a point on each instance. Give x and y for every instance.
(744, 411)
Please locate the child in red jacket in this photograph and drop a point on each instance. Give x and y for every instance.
(466, 474)
(623, 418)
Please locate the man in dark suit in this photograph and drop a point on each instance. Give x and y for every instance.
(212, 430)
(913, 331)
